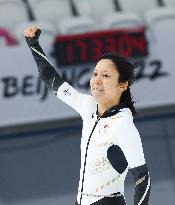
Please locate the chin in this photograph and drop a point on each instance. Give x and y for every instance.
(98, 97)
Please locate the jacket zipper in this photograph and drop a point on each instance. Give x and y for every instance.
(86, 155)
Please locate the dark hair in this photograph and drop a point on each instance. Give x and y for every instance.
(126, 73)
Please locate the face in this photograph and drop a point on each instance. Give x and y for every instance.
(104, 82)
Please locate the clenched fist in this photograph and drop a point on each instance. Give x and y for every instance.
(30, 31)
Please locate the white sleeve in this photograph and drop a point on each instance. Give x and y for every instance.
(78, 101)
(128, 138)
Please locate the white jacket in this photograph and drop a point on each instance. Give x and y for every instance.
(98, 178)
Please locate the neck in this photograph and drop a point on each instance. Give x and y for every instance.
(102, 107)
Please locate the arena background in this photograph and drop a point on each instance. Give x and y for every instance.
(39, 135)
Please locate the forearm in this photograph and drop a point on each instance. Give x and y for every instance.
(46, 70)
(143, 185)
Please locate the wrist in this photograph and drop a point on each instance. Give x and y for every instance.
(31, 41)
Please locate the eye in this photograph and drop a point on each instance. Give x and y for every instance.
(94, 74)
(106, 76)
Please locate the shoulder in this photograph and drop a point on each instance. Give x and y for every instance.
(126, 112)
(124, 121)
(124, 116)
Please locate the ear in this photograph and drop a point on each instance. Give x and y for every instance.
(123, 86)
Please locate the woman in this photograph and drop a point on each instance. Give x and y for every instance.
(110, 143)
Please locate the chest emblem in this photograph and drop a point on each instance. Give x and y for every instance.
(104, 128)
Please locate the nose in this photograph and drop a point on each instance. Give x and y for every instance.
(97, 79)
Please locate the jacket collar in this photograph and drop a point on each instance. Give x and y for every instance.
(111, 111)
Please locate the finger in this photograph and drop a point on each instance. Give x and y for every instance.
(32, 34)
(26, 33)
(33, 29)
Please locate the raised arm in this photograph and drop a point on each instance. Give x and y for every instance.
(46, 70)
(63, 90)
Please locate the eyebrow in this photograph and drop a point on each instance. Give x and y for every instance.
(102, 70)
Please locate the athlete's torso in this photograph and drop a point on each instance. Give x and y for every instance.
(109, 146)
(98, 178)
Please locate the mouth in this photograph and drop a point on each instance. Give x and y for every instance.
(98, 89)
